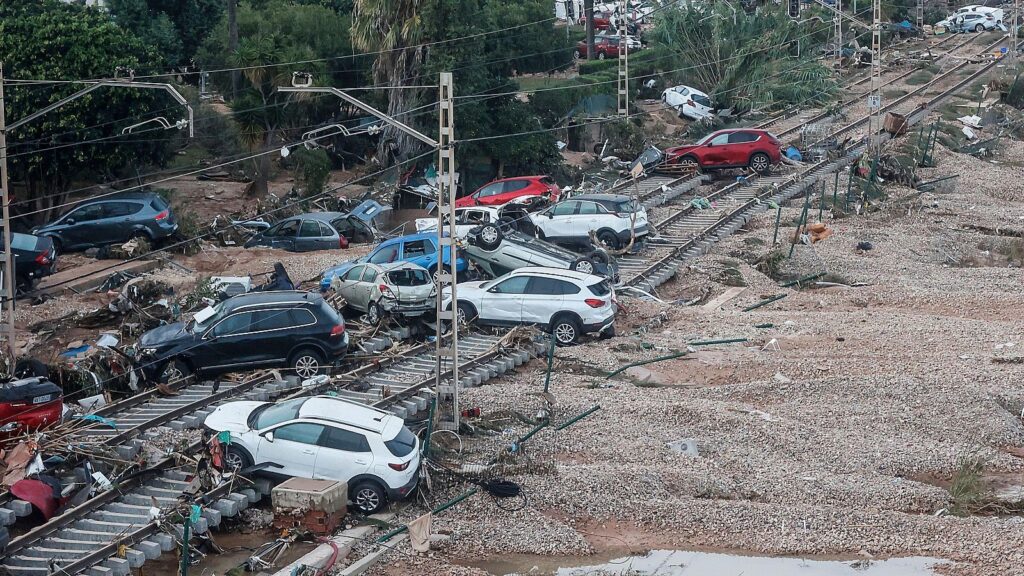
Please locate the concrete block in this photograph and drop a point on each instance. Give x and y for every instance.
(307, 494)
(99, 571)
(242, 499)
(165, 541)
(7, 517)
(118, 566)
(264, 485)
(151, 549)
(251, 494)
(5, 538)
(212, 516)
(227, 508)
(21, 508)
(135, 558)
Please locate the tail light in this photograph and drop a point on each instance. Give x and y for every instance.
(162, 215)
(385, 291)
(43, 259)
(594, 302)
(337, 330)
(399, 467)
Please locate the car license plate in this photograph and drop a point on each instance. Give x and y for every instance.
(41, 399)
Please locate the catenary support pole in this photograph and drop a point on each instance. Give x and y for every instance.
(7, 321)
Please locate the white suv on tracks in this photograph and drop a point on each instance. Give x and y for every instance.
(322, 437)
(565, 302)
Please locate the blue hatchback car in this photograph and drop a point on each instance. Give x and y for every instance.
(416, 248)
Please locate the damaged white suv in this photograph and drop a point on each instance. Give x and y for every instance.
(322, 437)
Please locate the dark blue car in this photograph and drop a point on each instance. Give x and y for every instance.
(416, 248)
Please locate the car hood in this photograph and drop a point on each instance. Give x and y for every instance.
(680, 150)
(232, 417)
(164, 335)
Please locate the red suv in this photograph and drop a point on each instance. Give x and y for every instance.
(737, 148)
(605, 47)
(503, 191)
(602, 20)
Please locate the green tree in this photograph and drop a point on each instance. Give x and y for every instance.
(763, 60)
(175, 27)
(79, 143)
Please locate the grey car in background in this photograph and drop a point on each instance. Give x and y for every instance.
(302, 233)
(110, 220)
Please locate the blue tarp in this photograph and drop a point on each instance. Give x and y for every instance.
(793, 154)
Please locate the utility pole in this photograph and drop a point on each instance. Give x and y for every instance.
(623, 99)
(446, 394)
(1015, 30)
(588, 15)
(7, 315)
(875, 98)
(837, 20)
(920, 14)
(232, 9)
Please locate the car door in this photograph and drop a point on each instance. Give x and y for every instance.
(368, 284)
(741, 146)
(543, 298)
(350, 289)
(558, 220)
(343, 455)
(310, 237)
(116, 224)
(586, 219)
(226, 343)
(715, 151)
(79, 226)
(510, 190)
(294, 447)
(489, 194)
(270, 335)
(285, 236)
(503, 302)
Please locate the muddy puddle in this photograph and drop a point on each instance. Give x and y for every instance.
(692, 563)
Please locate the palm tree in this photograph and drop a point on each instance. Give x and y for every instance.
(391, 29)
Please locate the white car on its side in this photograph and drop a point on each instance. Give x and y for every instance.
(689, 101)
(564, 302)
(323, 437)
(613, 218)
(465, 219)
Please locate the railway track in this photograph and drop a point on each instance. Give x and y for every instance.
(690, 231)
(113, 532)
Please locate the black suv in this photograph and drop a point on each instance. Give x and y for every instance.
(286, 329)
(110, 220)
(34, 257)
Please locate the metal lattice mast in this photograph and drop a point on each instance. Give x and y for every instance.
(623, 97)
(875, 98)
(920, 13)
(1015, 29)
(447, 355)
(838, 22)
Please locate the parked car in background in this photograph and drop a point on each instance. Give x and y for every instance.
(34, 257)
(286, 329)
(29, 404)
(420, 249)
(689, 102)
(322, 437)
(734, 148)
(566, 303)
(604, 47)
(110, 220)
(302, 233)
(979, 21)
(359, 224)
(401, 289)
(465, 219)
(505, 190)
(497, 251)
(632, 42)
(612, 217)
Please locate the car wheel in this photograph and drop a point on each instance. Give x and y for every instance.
(465, 313)
(608, 332)
(433, 270)
(369, 497)
(689, 162)
(576, 54)
(979, 28)
(583, 265)
(490, 236)
(566, 329)
(175, 371)
(373, 315)
(57, 247)
(760, 163)
(609, 240)
(307, 363)
(236, 459)
(601, 56)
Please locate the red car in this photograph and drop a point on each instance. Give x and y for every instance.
(28, 405)
(504, 191)
(602, 20)
(737, 148)
(605, 47)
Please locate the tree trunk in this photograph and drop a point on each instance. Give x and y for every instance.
(233, 42)
(260, 185)
(588, 11)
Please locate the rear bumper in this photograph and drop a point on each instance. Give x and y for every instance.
(599, 326)
(403, 492)
(639, 232)
(404, 309)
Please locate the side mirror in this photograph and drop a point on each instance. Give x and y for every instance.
(269, 436)
(69, 221)
(550, 214)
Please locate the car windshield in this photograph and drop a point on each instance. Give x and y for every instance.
(204, 318)
(701, 99)
(705, 139)
(600, 289)
(270, 414)
(402, 444)
(408, 277)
